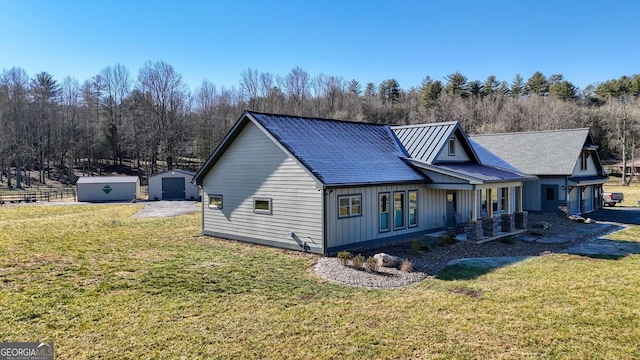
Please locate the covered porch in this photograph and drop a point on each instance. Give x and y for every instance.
(482, 203)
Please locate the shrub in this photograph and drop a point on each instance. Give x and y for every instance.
(407, 266)
(507, 240)
(357, 261)
(371, 264)
(447, 239)
(419, 245)
(344, 257)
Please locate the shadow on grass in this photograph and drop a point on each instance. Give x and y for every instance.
(468, 269)
(596, 249)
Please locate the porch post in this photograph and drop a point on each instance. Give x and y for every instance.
(520, 198)
(489, 203)
(508, 201)
(474, 205)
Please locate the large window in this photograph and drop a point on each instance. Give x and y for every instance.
(413, 208)
(262, 206)
(398, 210)
(349, 205)
(215, 202)
(385, 214)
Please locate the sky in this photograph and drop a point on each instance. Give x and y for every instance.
(369, 41)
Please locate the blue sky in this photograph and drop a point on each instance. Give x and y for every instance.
(370, 41)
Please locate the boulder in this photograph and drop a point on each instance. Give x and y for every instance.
(387, 260)
(541, 225)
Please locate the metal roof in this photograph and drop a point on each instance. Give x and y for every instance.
(486, 173)
(184, 172)
(553, 152)
(424, 142)
(341, 152)
(337, 153)
(106, 179)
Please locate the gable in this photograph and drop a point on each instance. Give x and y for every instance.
(429, 143)
(539, 152)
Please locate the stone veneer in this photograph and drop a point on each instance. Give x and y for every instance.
(521, 219)
(490, 226)
(474, 230)
(507, 222)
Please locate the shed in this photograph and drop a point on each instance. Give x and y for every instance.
(107, 188)
(173, 185)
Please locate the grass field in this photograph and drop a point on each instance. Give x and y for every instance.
(101, 284)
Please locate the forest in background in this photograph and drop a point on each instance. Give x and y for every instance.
(151, 121)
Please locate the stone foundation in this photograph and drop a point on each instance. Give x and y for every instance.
(490, 226)
(507, 222)
(521, 219)
(473, 230)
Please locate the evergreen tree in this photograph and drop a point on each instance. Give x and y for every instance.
(537, 84)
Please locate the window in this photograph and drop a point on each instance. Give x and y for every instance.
(550, 194)
(385, 214)
(413, 208)
(215, 202)
(349, 205)
(398, 210)
(452, 146)
(262, 205)
(583, 160)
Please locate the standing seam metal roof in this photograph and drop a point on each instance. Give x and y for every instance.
(423, 142)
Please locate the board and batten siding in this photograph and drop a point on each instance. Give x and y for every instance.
(345, 232)
(532, 195)
(591, 169)
(255, 167)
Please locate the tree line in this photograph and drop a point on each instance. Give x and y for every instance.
(152, 121)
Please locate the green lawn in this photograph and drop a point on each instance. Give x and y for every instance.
(101, 284)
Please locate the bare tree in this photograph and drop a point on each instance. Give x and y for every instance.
(168, 99)
(117, 82)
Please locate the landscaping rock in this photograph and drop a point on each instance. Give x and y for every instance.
(541, 225)
(386, 260)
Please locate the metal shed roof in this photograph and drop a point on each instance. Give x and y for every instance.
(184, 172)
(106, 179)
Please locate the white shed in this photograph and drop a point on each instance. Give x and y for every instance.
(107, 188)
(173, 185)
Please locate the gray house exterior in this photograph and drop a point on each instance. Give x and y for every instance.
(566, 162)
(323, 185)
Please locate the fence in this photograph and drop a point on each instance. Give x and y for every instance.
(40, 194)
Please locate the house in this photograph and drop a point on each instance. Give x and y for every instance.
(173, 185)
(107, 188)
(323, 185)
(566, 162)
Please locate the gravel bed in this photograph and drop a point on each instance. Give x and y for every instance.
(427, 263)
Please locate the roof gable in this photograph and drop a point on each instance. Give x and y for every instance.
(425, 142)
(335, 152)
(553, 152)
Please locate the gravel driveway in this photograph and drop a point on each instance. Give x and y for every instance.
(167, 208)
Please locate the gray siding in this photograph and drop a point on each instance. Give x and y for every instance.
(344, 232)
(119, 191)
(460, 153)
(591, 169)
(155, 185)
(254, 166)
(531, 195)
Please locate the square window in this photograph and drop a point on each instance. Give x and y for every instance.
(349, 205)
(215, 202)
(262, 205)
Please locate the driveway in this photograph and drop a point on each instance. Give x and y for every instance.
(167, 208)
(617, 215)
